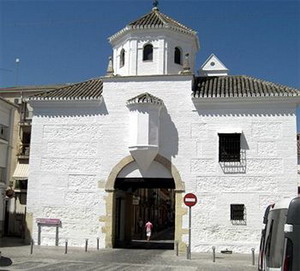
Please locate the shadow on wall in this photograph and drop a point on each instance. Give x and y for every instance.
(10, 241)
(16, 231)
(211, 109)
(168, 140)
(73, 111)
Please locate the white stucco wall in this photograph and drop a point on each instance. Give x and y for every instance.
(164, 43)
(74, 150)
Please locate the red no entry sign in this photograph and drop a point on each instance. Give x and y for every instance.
(190, 199)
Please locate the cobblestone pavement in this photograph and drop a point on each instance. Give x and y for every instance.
(53, 258)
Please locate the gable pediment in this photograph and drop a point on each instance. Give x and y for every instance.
(213, 67)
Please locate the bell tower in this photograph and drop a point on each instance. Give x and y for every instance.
(154, 44)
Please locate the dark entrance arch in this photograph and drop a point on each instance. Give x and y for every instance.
(111, 194)
(138, 200)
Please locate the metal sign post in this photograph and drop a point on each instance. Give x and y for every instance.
(190, 200)
(190, 231)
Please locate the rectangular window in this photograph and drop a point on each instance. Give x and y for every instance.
(2, 175)
(237, 212)
(229, 147)
(3, 132)
(21, 184)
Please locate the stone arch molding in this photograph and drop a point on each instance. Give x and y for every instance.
(179, 185)
(108, 219)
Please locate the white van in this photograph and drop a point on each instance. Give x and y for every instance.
(261, 257)
(277, 247)
(291, 253)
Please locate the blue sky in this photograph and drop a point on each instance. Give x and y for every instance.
(66, 41)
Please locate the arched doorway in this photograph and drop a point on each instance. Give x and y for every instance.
(134, 195)
(138, 200)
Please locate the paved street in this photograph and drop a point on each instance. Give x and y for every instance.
(17, 257)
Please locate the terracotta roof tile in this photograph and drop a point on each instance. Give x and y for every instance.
(155, 19)
(35, 88)
(239, 86)
(88, 90)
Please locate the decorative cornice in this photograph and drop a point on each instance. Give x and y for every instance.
(128, 29)
(70, 103)
(145, 98)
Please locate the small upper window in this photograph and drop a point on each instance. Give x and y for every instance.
(229, 147)
(4, 132)
(148, 52)
(237, 212)
(177, 56)
(122, 58)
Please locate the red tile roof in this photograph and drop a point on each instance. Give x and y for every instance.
(157, 19)
(239, 86)
(88, 90)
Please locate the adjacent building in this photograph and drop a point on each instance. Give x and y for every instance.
(7, 151)
(16, 130)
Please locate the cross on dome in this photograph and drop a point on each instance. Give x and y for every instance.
(155, 4)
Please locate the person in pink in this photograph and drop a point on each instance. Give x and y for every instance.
(148, 227)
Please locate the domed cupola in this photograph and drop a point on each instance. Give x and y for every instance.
(154, 44)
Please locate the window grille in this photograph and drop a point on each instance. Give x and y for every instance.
(229, 147)
(237, 212)
(148, 52)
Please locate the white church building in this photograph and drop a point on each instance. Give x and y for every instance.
(128, 146)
